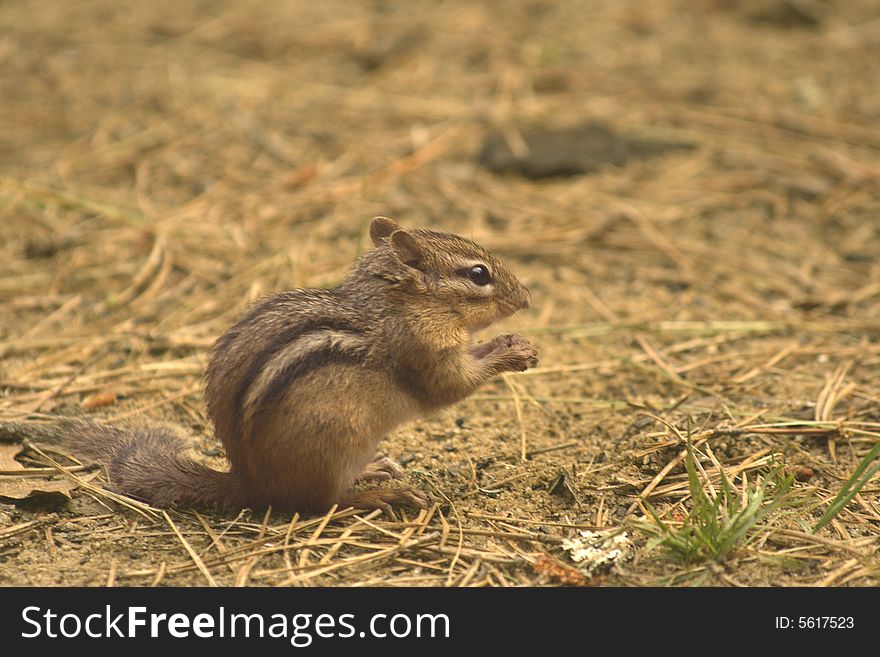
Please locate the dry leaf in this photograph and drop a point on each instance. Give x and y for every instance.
(16, 484)
(98, 400)
(559, 572)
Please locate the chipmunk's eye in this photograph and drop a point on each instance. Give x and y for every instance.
(480, 275)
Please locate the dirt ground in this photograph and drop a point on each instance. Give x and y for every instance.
(164, 164)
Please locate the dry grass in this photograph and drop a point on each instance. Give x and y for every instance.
(162, 166)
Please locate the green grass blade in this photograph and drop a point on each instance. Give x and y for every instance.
(851, 487)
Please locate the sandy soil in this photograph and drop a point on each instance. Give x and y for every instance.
(165, 163)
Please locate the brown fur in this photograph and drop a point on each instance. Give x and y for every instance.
(304, 386)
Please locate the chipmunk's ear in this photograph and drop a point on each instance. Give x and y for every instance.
(407, 249)
(381, 228)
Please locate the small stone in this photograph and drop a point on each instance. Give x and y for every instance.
(802, 472)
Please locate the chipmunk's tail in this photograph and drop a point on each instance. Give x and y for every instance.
(147, 463)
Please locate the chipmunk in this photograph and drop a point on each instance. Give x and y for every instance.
(304, 386)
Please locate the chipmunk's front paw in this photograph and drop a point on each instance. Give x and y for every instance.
(515, 353)
(487, 348)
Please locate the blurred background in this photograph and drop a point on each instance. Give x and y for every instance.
(688, 187)
(725, 136)
(734, 139)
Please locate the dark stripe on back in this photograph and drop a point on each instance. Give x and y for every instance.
(279, 342)
(302, 366)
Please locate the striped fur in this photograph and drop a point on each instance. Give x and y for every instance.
(296, 360)
(290, 338)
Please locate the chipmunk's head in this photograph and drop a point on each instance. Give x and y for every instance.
(452, 273)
